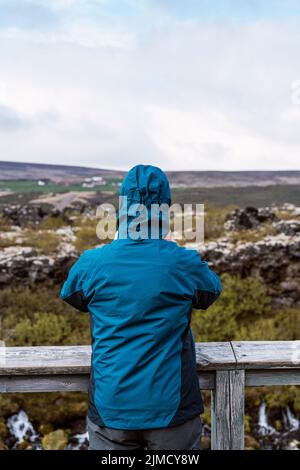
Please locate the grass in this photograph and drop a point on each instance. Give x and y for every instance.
(44, 241)
(5, 224)
(52, 223)
(25, 186)
(86, 236)
(254, 235)
(215, 218)
(6, 242)
(257, 196)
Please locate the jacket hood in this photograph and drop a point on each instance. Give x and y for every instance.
(144, 184)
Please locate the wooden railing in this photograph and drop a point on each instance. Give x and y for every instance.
(224, 368)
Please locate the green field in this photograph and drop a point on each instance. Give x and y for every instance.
(219, 196)
(29, 186)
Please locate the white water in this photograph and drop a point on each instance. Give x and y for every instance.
(265, 429)
(81, 439)
(21, 428)
(292, 423)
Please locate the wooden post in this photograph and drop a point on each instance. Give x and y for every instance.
(227, 410)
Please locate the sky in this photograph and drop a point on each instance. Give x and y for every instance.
(182, 84)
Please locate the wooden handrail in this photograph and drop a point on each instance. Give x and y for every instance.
(224, 368)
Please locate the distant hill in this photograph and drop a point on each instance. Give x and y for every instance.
(197, 179)
(55, 173)
(210, 179)
(220, 188)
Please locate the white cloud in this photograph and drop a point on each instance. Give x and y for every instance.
(181, 94)
(81, 33)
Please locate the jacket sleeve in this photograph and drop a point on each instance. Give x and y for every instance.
(207, 284)
(74, 290)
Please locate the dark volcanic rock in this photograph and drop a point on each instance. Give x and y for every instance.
(275, 260)
(248, 218)
(24, 265)
(288, 227)
(23, 215)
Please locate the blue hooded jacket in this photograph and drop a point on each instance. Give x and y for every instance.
(140, 295)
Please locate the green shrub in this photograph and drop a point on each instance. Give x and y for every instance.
(282, 325)
(280, 397)
(242, 301)
(49, 329)
(46, 329)
(40, 317)
(18, 303)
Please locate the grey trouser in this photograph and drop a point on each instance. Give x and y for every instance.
(183, 437)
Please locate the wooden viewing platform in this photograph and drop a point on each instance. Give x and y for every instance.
(224, 368)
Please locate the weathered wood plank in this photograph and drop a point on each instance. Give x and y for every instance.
(237, 408)
(267, 354)
(68, 383)
(43, 360)
(214, 356)
(262, 377)
(220, 412)
(44, 383)
(227, 410)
